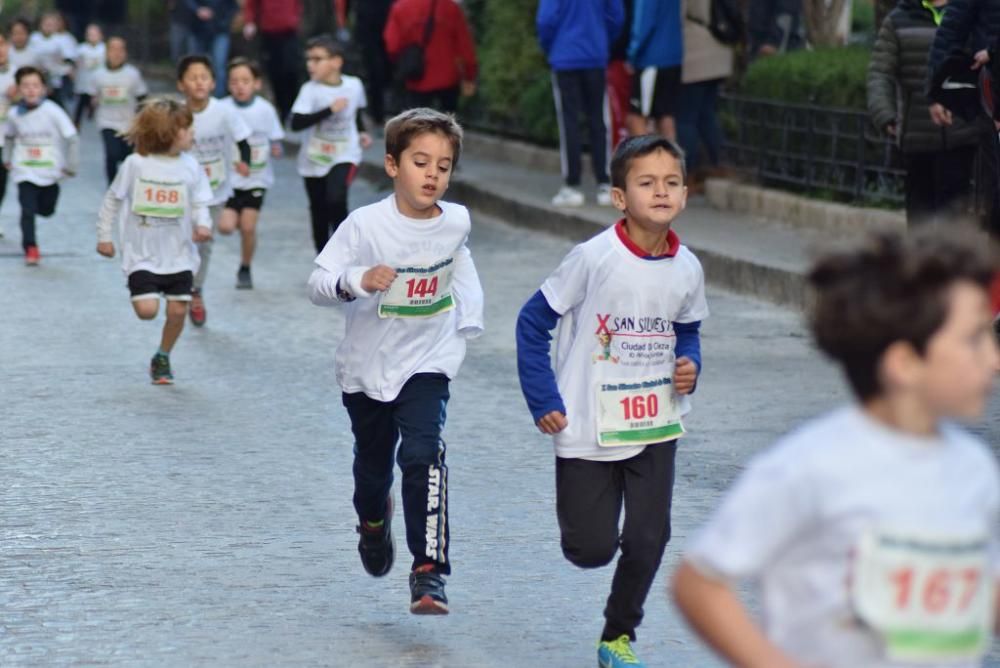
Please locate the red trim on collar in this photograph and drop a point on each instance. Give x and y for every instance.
(673, 243)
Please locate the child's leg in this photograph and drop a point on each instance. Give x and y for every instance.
(588, 505)
(146, 306)
(122, 150)
(419, 412)
(48, 197)
(205, 250)
(248, 232)
(649, 487)
(176, 312)
(82, 104)
(318, 214)
(3, 179)
(229, 217)
(375, 437)
(27, 196)
(110, 154)
(338, 182)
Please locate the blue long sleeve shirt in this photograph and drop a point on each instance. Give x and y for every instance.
(535, 323)
(577, 34)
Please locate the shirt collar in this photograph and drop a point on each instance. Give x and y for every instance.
(673, 243)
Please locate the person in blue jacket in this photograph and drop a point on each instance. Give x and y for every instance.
(655, 54)
(576, 36)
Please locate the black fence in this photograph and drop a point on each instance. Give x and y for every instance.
(828, 152)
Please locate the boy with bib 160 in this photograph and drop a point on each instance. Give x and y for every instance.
(631, 301)
(871, 533)
(412, 297)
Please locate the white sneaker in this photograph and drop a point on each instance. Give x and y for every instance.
(604, 194)
(568, 196)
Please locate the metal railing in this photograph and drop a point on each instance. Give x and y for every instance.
(818, 150)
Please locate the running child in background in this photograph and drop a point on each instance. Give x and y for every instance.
(629, 354)
(89, 58)
(159, 203)
(243, 209)
(8, 94)
(41, 147)
(328, 110)
(115, 89)
(217, 129)
(21, 54)
(871, 533)
(56, 53)
(411, 295)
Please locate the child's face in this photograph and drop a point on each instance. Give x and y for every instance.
(321, 65)
(18, 36)
(423, 172)
(197, 83)
(4, 49)
(654, 193)
(242, 83)
(116, 53)
(49, 25)
(94, 35)
(31, 88)
(954, 377)
(184, 140)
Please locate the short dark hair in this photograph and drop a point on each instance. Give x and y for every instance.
(19, 21)
(637, 147)
(244, 62)
(328, 44)
(27, 71)
(892, 287)
(189, 61)
(402, 128)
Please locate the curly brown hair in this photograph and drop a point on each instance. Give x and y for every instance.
(155, 127)
(892, 287)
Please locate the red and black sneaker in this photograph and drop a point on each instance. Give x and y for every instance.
(197, 311)
(377, 547)
(32, 256)
(427, 595)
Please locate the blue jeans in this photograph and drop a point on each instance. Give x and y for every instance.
(414, 420)
(215, 47)
(698, 123)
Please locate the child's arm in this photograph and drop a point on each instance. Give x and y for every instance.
(72, 155)
(338, 279)
(717, 615)
(300, 122)
(110, 208)
(468, 295)
(883, 70)
(688, 355)
(534, 367)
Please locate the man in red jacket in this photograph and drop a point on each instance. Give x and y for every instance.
(449, 55)
(278, 22)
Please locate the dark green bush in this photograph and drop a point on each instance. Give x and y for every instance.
(828, 77)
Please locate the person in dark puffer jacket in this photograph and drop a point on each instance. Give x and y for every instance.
(938, 158)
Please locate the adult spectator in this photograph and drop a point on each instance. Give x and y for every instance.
(370, 19)
(707, 63)
(449, 56)
(620, 79)
(655, 53)
(77, 13)
(775, 26)
(278, 23)
(969, 25)
(180, 17)
(576, 36)
(938, 160)
(211, 23)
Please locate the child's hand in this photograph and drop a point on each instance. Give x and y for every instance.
(276, 150)
(68, 172)
(339, 105)
(685, 375)
(366, 139)
(552, 423)
(202, 234)
(378, 278)
(106, 248)
(243, 169)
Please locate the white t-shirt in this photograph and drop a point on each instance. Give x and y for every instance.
(156, 201)
(40, 135)
(217, 128)
(116, 93)
(434, 305)
(616, 332)
(89, 58)
(335, 139)
(25, 57)
(6, 81)
(52, 52)
(803, 512)
(262, 119)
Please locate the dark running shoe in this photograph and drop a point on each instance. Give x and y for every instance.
(243, 280)
(427, 595)
(377, 546)
(159, 370)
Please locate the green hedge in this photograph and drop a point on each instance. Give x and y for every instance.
(828, 77)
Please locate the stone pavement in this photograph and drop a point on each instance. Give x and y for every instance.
(210, 523)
